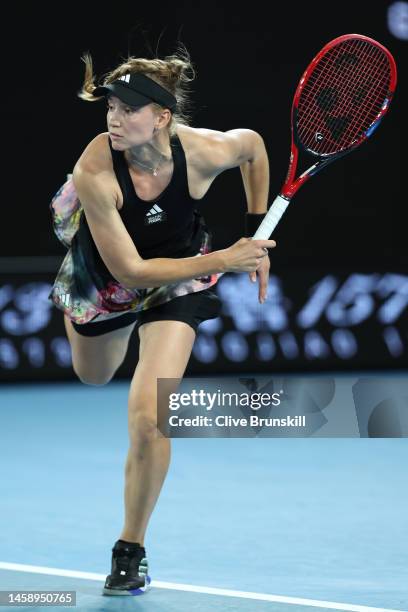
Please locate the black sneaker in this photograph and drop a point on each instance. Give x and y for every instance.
(129, 570)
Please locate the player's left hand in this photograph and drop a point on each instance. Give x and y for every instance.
(263, 278)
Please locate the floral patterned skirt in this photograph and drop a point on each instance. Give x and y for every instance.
(84, 294)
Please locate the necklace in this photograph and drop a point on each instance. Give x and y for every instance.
(153, 170)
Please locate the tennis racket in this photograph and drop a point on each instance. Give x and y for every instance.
(339, 102)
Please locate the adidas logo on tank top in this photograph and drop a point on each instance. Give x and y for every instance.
(155, 215)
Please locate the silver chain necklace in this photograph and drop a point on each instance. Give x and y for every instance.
(155, 170)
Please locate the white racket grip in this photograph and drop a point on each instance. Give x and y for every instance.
(272, 219)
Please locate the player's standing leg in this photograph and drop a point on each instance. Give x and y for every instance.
(165, 348)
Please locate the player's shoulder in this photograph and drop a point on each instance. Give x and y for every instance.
(215, 149)
(96, 158)
(203, 147)
(93, 173)
(199, 137)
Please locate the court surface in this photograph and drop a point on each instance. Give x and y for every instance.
(284, 525)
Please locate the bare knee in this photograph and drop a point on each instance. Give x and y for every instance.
(92, 376)
(143, 427)
(96, 381)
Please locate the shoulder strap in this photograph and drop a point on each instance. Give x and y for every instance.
(180, 165)
(122, 174)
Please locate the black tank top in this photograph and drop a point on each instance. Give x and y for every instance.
(168, 226)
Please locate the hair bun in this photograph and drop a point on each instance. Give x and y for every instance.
(180, 67)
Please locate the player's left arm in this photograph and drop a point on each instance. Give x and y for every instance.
(245, 149)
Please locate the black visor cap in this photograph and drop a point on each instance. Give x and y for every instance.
(137, 90)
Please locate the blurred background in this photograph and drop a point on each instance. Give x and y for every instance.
(339, 283)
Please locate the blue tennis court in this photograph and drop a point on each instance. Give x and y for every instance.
(279, 524)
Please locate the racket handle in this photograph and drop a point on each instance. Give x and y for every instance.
(272, 219)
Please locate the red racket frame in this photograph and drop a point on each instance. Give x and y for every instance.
(291, 184)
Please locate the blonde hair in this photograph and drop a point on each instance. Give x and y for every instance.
(174, 72)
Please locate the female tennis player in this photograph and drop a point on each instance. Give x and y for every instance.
(139, 255)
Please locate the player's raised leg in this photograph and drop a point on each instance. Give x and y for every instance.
(95, 359)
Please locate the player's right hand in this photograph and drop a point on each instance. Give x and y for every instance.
(246, 254)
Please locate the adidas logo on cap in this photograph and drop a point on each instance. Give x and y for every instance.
(155, 215)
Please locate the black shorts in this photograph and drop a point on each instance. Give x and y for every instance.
(193, 308)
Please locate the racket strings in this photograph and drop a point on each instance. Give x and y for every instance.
(376, 93)
(345, 116)
(343, 96)
(369, 97)
(342, 85)
(329, 97)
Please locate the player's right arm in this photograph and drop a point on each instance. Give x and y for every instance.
(96, 188)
